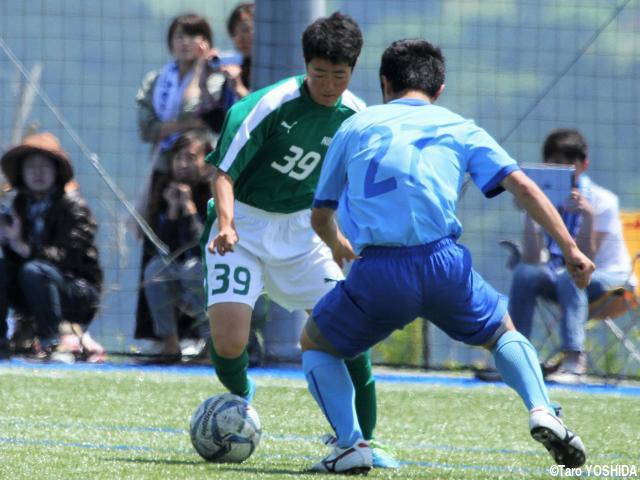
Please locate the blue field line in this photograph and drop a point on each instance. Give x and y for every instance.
(89, 446)
(58, 426)
(296, 374)
(481, 468)
(420, 446)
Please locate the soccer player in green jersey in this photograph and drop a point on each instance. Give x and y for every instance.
(268, 162)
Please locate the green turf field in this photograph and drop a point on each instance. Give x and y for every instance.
(69, 423)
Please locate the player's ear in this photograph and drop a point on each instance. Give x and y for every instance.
(438, 93)
(385, 87)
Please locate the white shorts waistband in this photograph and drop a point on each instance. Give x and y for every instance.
(245, 209)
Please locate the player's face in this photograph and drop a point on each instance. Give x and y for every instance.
(39, 174)
(187, 48)
(327, 81)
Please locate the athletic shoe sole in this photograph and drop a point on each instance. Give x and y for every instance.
(560, 448)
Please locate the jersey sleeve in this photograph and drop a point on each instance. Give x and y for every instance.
(333, 175)
(241, 137)
(487, 162)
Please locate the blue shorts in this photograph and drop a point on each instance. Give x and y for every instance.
(390, 287)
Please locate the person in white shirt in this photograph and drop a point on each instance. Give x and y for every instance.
(591, 215)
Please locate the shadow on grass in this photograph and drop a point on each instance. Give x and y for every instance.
(152, 460)
(217, 466)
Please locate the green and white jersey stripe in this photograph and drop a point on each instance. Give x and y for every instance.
(273, 142)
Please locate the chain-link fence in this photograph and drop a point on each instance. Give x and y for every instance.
(519, 68)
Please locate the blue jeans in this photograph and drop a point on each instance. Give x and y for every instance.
(533, 281)
(40, 289)
(178, 284)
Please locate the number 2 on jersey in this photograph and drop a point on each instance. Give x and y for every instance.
(298, 165)
(371, 187)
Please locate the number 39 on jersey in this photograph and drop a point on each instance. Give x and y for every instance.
(297, 164)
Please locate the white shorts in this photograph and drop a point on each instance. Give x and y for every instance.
(277, 253)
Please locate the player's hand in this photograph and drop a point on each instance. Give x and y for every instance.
(342, 251)
(578, 203)
(579, 267)
(224, 241)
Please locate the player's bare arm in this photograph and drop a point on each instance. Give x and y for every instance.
(323, 222)
(532, 241)
(544, 213)
(585, 237)
(224, 197)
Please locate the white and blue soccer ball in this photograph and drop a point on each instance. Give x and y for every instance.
(225, 429)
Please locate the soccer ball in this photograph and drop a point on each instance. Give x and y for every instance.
(225, 428)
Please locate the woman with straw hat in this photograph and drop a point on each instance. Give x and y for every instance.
(50, 268)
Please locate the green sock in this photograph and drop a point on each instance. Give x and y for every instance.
(365, 386)
(232, 372)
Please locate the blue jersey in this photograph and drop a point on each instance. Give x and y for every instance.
(394, 173)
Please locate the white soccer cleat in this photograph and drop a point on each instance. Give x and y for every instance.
(354, 459)
(380, 456)
(565, 447)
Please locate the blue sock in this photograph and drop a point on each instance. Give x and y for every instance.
(517, 362)
(331, 387)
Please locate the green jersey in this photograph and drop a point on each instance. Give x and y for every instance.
(273, 142)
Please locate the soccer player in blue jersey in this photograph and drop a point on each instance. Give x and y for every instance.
(393, 172)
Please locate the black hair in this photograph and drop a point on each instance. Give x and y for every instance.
(191, 24)
(160, 180)
(413, 64)
(187, 138)
(336, 38)
(238, 14)
(567, 142)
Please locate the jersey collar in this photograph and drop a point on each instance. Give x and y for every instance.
(415, 102)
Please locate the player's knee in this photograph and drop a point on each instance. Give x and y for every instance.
(313, 339)
(306, 343)
(230, 326)
(227, 347)
(506, 326)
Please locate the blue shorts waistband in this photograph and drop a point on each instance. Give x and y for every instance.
(424, 249)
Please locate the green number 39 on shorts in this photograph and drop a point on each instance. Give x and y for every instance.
(239, 281)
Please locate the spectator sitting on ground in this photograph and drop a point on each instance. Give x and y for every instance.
(173, 286)
(591, 215)
(50, 270)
